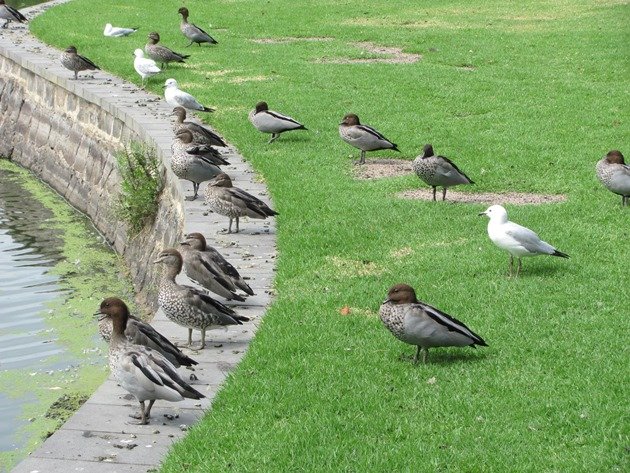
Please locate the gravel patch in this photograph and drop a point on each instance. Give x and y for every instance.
(380, 168)
(488, 198)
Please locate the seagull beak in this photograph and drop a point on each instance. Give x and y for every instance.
(481, 213)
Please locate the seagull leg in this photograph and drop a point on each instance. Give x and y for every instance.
(520, 265)
(189, 337)
(510, 266)
(273, 137)
(362, 158)
(76, 75)
(189, 44)
(434, 189)
(624, 200)
(230, 226)
(425, 352)
(237, 229)
(443, 194)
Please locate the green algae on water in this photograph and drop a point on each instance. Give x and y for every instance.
(89, 271)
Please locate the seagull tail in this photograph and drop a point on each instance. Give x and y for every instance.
(560, 254)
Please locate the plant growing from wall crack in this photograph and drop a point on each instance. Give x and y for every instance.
(141, 185)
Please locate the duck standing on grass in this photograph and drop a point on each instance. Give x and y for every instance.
(232, 202)
(438, 171)
(614, 174)
(363, 137)
(201, 134)
(141, 333)
(192, 32)
(75, 62)
(198, 242)
(414, 322)
(160, 53)
(143, 372)
(190, 162)
(515, 239)
(268, 121)
(188, 306)
(8, 13)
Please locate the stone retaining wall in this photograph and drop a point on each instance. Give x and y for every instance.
(68, 137)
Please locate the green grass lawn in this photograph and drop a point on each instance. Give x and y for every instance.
(524, 96)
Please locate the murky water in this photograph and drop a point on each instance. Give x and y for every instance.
(49, 289)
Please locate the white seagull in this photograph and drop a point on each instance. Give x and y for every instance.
(515, 239)
(179, 98)
(116, 32)
(144, 66)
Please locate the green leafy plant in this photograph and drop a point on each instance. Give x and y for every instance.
(141, 185)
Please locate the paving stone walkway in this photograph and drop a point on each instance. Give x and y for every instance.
(98, 437)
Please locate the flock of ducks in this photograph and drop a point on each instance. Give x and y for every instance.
(143, 361)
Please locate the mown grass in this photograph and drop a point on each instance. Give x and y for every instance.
(546, 98)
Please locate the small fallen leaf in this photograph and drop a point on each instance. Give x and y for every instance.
(432, 380)
(345, 310)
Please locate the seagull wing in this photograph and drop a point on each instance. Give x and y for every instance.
(527, 238)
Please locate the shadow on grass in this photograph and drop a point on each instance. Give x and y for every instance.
(548, 269)
(443, 357)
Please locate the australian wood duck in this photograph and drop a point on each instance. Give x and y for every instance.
(161, 54)
(75, 62)
(232, 202)
(363, 137)
(614, 174)
(193, 32)
(205, 272)
(438, 171)
(141, 371)
(414, 322)
(141, 333)
(188, 306)
(8, 13)
(198, 242)
(269, 121)
(201, 134)
(196, 168)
